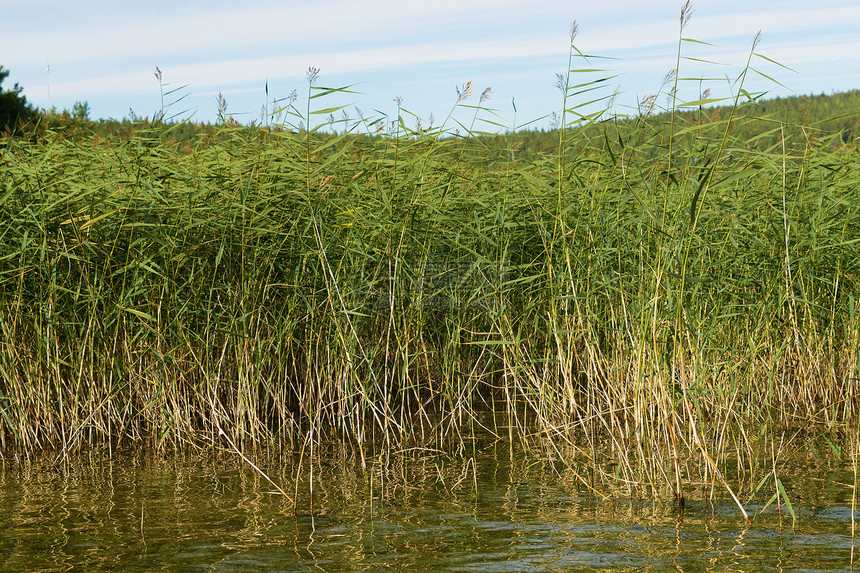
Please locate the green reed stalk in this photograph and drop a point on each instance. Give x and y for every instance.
(408, 287)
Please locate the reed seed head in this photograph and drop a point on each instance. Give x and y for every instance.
(574, 30)
(465, 93)
(561, 83)
(646, 108)
(686, 14)
(614, 96)
(669, 77)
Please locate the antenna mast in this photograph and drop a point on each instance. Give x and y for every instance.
(48, 73)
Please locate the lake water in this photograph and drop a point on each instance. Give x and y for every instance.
(489, 509)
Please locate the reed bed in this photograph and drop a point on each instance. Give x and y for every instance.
(655, 292)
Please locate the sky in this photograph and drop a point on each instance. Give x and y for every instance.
(416, 52)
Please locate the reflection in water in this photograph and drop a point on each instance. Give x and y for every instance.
(490, 511)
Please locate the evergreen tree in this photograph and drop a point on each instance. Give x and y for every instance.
(14, 109)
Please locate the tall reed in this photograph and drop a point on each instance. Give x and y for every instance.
(653, 294)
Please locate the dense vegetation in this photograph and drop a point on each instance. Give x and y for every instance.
(656, 288)
(800, 116)
(15, 110)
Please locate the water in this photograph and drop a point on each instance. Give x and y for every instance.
(488, 512)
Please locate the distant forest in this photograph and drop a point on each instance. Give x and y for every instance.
(797, 120)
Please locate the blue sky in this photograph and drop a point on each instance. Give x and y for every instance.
(106, 52)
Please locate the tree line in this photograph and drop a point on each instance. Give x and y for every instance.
(762, 123)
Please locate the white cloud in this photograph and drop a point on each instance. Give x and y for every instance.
(235, 72)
